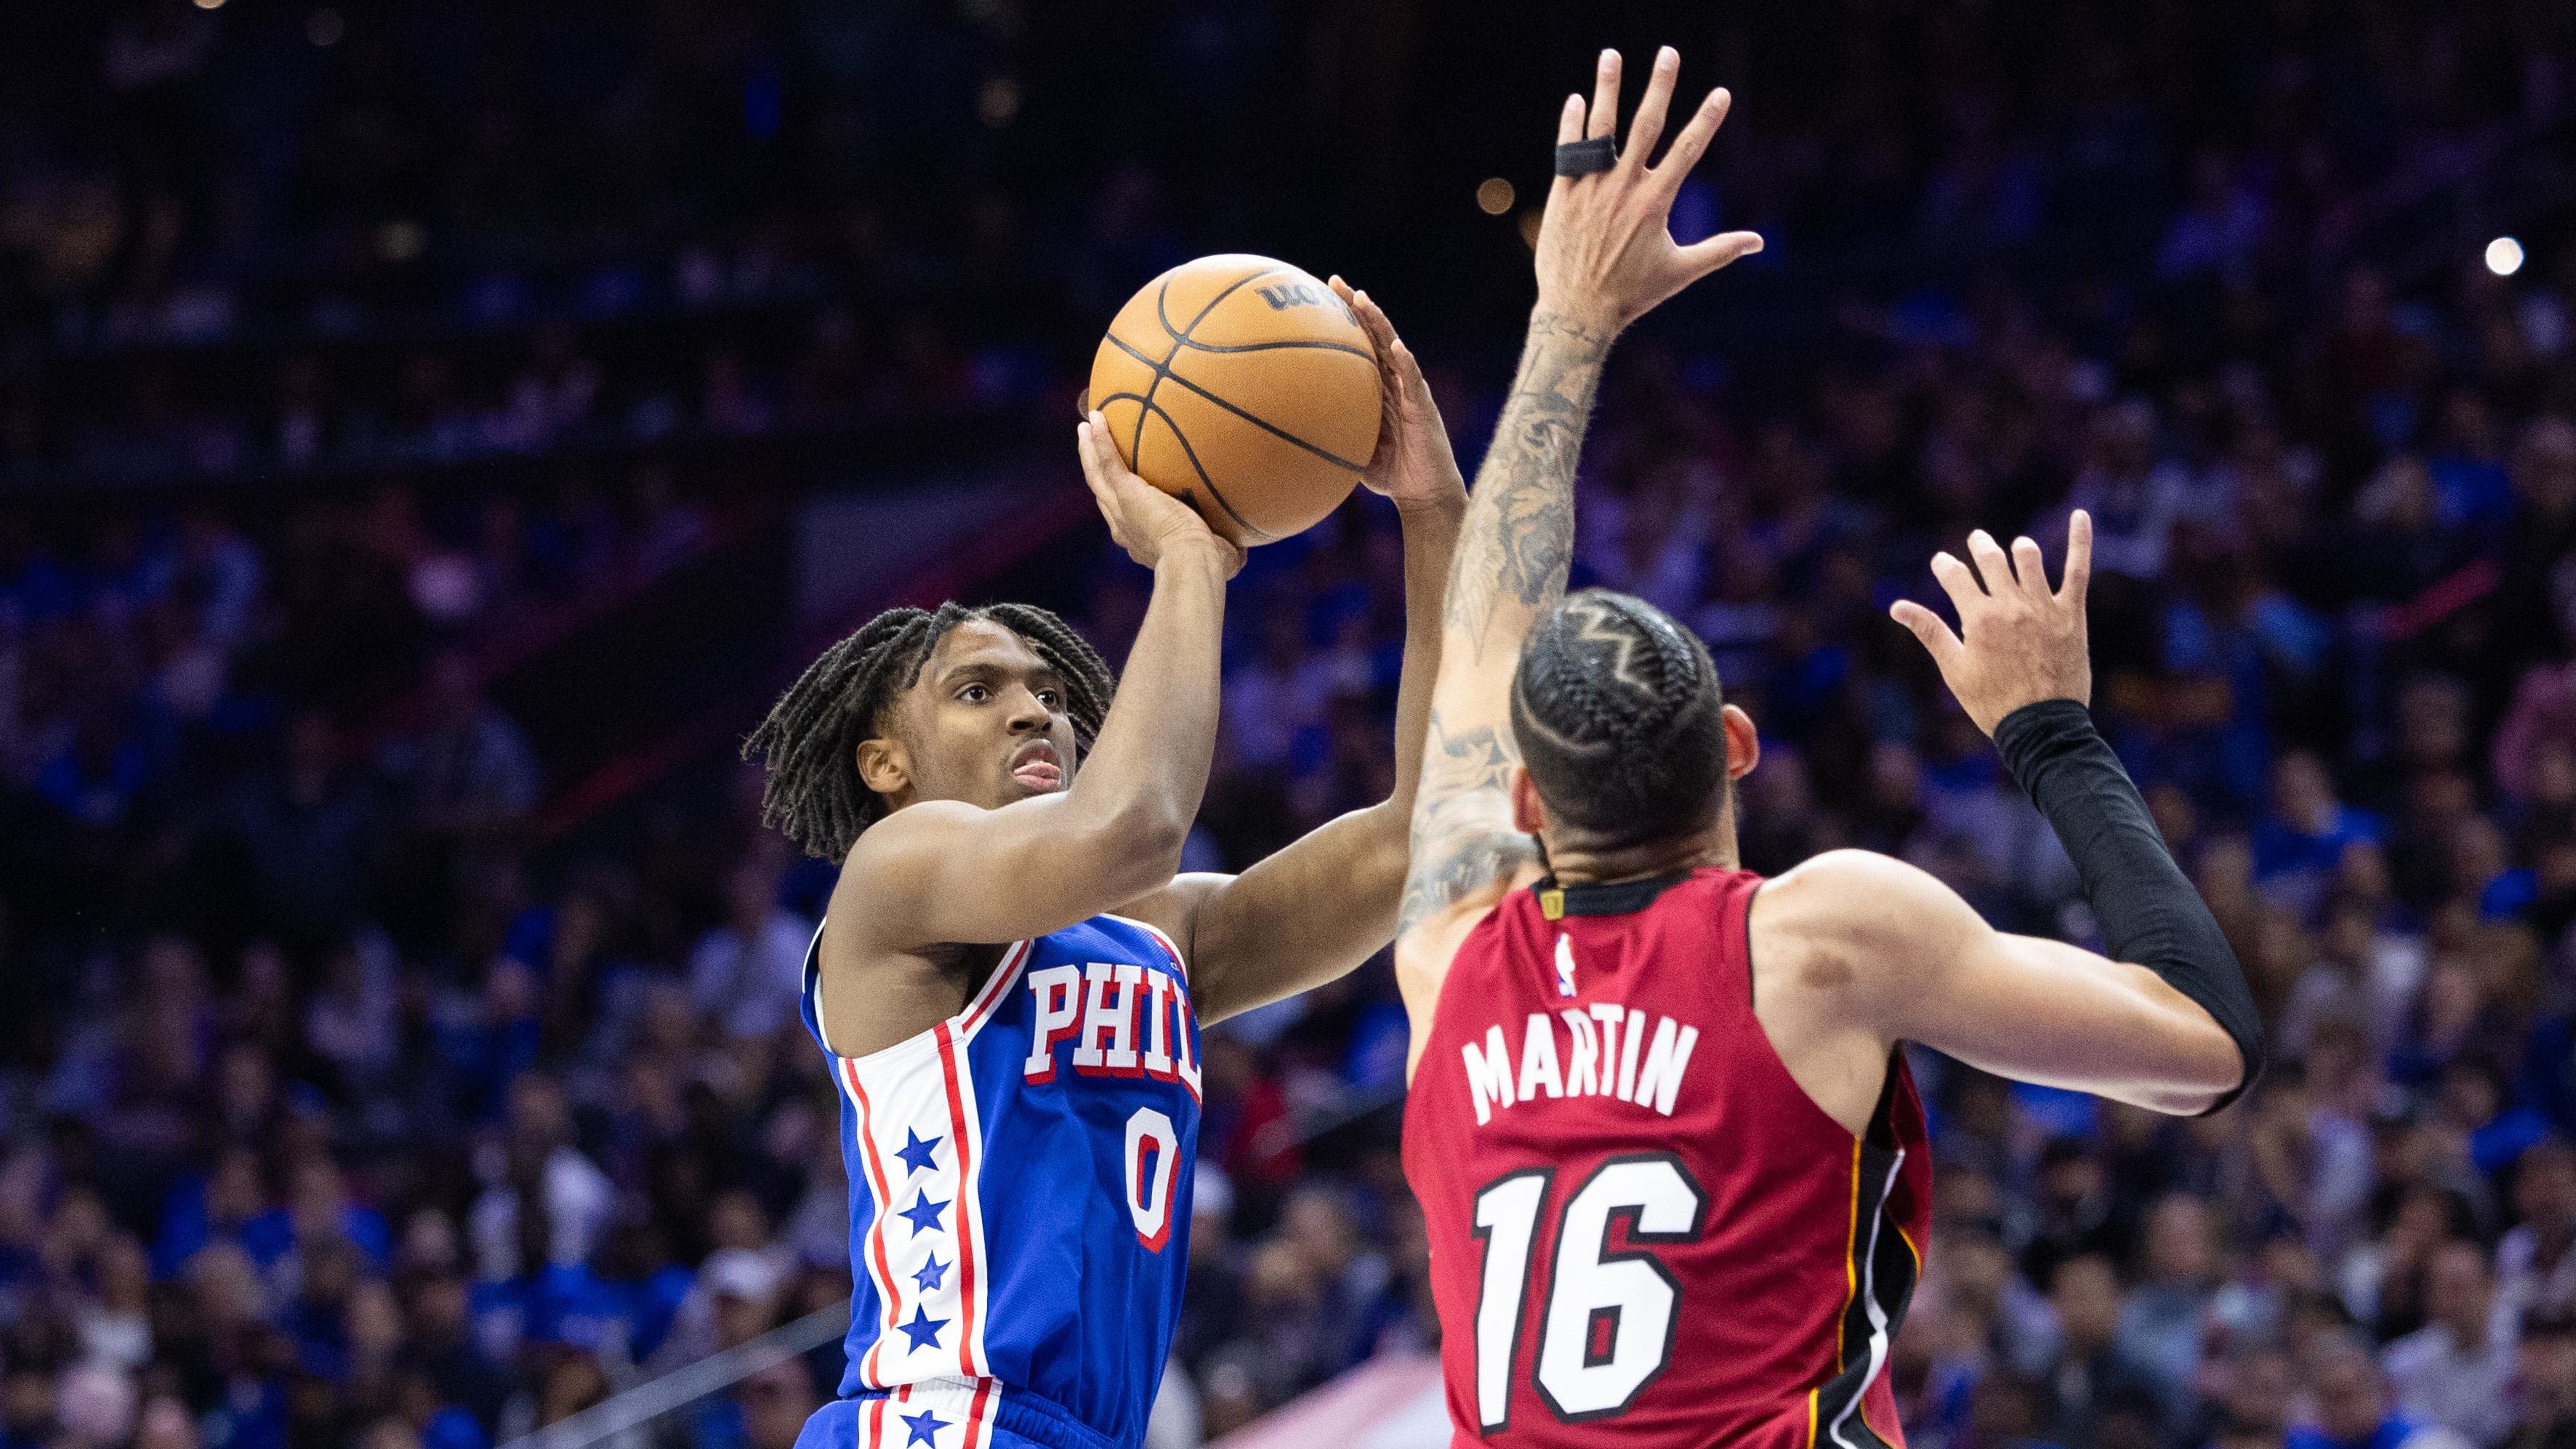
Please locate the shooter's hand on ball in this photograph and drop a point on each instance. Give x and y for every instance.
(1606, 255)
(1149, 523)
(1413, 466)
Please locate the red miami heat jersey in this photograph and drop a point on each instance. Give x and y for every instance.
(1643, 1231)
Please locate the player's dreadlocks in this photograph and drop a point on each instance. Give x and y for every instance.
(809, 743)
(1616, 710)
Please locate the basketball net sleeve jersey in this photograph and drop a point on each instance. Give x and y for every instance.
(1643, 1231)
(1020, 1181)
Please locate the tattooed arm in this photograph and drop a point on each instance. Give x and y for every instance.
(1605, 257)
(1513, 554)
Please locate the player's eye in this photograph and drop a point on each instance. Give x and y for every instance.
(1050, 698)
(974, 694)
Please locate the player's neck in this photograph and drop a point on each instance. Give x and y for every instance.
(1573, 863)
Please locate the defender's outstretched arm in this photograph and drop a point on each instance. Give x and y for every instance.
(1911, 961)
(1605, 258)
(2169, 1023)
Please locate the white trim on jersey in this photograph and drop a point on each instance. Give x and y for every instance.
(922, 1148)
(872, 1254)
(1877, 1312)
(1007, 970)
(978, 1010)
(941, 1413)
(814, 959)
(975, 1272)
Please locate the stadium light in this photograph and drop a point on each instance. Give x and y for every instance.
(2504, 256)
(998, 102)
(1494, 198)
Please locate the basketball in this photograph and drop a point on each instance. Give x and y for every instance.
(1245, 386)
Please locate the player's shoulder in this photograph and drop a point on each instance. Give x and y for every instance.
(897, 856)
(1427, 948)
(1822, 882)
(1850, 905)
(908, 830)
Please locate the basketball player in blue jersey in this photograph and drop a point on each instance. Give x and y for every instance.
(1011, 975)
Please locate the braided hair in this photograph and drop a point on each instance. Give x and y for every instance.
(809, 743)
(1616, 709)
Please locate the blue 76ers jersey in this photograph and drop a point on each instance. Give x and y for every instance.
(1020, 1181)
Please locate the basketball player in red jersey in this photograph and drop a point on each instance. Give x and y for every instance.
(1672, 1163)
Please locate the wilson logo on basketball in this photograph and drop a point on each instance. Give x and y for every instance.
(1246, 384)
(1291, 294)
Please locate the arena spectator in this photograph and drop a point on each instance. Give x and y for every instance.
(2457, 1370)
(2090, 1379)
(2352, 1408)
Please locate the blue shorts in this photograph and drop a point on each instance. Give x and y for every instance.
(946, 1414)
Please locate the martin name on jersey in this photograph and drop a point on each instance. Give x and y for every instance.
(1589, 1051)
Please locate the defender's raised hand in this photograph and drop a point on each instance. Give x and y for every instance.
(1413, 464)
(2018, 642)
(1606, 254)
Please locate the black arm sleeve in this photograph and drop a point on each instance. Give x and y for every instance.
(2149, 913)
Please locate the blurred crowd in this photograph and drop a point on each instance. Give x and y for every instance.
(340, 1105)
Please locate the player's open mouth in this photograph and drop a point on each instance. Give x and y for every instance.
(1037, 768)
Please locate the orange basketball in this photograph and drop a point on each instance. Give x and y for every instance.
(1245, 386)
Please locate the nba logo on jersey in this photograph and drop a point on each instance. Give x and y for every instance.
(1020, 1176)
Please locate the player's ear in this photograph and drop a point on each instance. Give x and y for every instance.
(1529, 813)
(884, 765)
(1743, 742)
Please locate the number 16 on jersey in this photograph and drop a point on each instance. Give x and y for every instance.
(1605, 1328)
